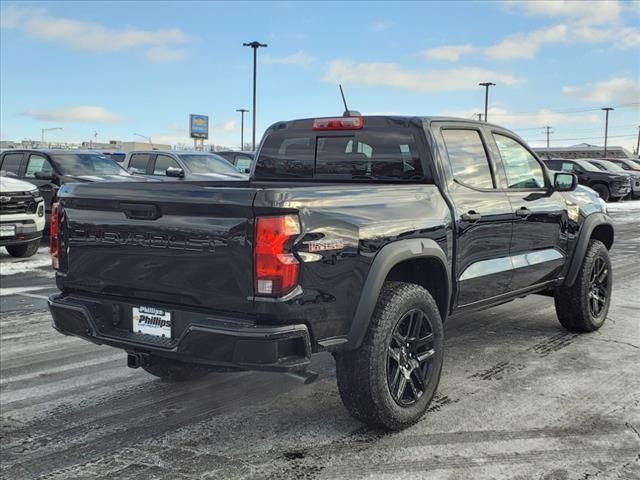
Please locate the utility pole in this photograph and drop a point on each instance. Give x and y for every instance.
(255, 46)
(479, 116)
(49, 130)
(606, 128)
(548, 129)
(242, 112)
(486, 86)
(638, 144)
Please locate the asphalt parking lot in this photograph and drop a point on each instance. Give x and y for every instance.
(520, 398)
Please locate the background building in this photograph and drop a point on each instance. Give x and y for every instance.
(583, 150)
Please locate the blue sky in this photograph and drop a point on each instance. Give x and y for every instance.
(120, 68)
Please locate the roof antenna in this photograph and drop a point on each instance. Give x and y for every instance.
(347, 112)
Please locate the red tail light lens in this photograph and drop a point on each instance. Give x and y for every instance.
(276, 267)
(339, 123)
(54, 234)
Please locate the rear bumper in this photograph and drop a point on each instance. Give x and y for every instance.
(198, 337)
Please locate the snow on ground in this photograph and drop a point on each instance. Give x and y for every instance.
(624, 205)
(12, 266)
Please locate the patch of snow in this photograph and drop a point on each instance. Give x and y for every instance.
(624, 205)
(12, 266)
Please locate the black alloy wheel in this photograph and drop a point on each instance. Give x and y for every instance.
(598, 287)
(409, 357)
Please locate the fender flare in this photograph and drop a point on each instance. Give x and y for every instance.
(388, 257)
(590, 223)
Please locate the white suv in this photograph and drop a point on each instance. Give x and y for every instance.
(21, 217)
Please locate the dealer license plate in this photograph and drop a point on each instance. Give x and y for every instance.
(7, 230)
(152, 321)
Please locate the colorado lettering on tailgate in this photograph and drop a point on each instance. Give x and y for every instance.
(198, 243)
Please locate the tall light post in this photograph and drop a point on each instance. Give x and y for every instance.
(49, 130)
(242, 112)
(486, 86)
(255, 46)
(148, 139)
(606, 128)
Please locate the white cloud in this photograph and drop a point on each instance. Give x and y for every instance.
(615, 90)
(165, 54)
(160, 44)
(540, 117)
(451, 53)
(526, 45)
(589, 11)
(228, 126)
(80, 114)
(393, 75)
(300, 58)
(380, 26)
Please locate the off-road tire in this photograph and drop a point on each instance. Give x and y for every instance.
(603, 191)
(362, 374)
(573, 303)
(174, 370)
(24, 250)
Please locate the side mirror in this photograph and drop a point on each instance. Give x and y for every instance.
(565, 182)
(43, 176)
(174, 172)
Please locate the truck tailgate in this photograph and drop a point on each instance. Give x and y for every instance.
(186, 243)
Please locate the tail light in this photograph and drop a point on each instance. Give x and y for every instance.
(339, 123)
(276, 267)
(54, 233)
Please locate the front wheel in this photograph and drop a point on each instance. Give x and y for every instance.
(603, 191)
(583, 307)
(391, 378)
(24, 250)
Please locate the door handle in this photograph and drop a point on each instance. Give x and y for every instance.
(471, 216)
(523, 212)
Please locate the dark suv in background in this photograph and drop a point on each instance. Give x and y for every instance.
(50, 169)
(609, 185)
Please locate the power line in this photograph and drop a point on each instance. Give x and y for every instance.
(622, 105)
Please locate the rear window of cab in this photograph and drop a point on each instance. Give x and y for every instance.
(377, 151)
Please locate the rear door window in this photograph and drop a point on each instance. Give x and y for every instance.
(468, 158)
(11, 163)
(140, 161)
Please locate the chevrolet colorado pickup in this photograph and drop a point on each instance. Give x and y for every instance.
(354, 235)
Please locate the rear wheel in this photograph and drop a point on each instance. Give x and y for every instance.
(583, 307)
(174, 370)
(24, 249)
(391, 378)
(603, 191)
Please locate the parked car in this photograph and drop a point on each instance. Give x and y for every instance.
(21, 217)
(49, 169)
(355, 235)
(181, 165)
(609, 185)
(634, 176)
(241, 160)
(626, 163)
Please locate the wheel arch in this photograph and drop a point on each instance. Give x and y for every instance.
(596, 226)
(418, 260)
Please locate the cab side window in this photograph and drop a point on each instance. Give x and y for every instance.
(468, 158)
(521, 167)
(162, 163)
(38, 164)
(139, 161)
(11, 163)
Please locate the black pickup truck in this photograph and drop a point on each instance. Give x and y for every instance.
(355, 235)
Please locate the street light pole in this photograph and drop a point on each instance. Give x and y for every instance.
(49, 130)
(255, 46)
(548, 129)
(148, 139)
(242, 112)
(486, 86)
(606, 128)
